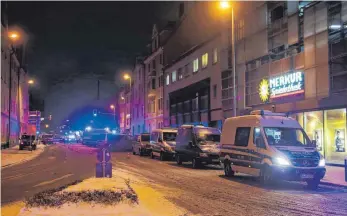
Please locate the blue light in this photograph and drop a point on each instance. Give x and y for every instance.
(88, 128)
(113, 131)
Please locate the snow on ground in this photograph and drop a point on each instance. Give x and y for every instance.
(150, 201)
(14, 156)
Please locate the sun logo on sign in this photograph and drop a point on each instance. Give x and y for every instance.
(264, 90)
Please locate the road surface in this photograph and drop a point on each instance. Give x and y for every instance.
(205, 191)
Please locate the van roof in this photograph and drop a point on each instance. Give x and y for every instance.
(192, 126)
(165, 130)
(264, 121)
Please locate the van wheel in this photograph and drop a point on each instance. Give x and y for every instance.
(228, 172)
(265, 175)
(162, 156)
(33, 147)
(140, 152)
(313, 183)
(178, 159)
(196, 163)
(152, 155)
(20, 147)
(134, 153)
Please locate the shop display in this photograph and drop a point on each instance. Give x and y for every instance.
(340, 140)
(318, 136)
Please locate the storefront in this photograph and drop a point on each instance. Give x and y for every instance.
(325, 123)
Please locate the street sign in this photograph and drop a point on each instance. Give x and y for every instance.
(103, 170)
(103, 155)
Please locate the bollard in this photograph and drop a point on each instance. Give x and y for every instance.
(345, 169)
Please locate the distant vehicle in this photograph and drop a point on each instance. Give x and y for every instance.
(94, 138)
(198, 144)
(271, 146)
(27, 141)
(58, 139)
(141, 144)
(47, 139)
(163, 143)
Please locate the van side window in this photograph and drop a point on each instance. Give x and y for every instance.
(242, 136)
(258, 138)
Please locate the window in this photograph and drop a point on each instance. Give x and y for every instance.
(204, 60)
(240, 29)
(167, 104)
(167, 79)
(257, 137)
(214, 91)
(242, 136)
(195, 65)
(186, 70)
(173, 76)
(153, 83)
(215, 55)
(149, 67)
(153, 64)
(180, 75)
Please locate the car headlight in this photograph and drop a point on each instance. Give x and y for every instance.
(282, 161)
(321, 162)
(203, 155)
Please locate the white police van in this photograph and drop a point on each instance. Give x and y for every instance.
(270, 146)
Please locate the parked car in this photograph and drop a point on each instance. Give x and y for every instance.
(141, 145)
(47, 139)
(197, 144)
(163, 143)
(271, 146)
(27, 141)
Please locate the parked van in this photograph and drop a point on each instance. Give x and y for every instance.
(198, 144)
(142, 145)
(270, 146)
(163, 143)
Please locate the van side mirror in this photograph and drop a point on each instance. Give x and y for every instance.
(314, 143)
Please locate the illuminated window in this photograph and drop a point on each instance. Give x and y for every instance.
(195, 65)
(167, 79)
(215, 55)
(204, 60)
(173, 76)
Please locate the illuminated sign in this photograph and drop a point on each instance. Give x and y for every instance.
(264, 90)
(283, 85)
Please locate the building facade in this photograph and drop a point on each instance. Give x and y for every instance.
(299, 67)
(124, 107)
(14, 92)
(193, 87)
(138, 98)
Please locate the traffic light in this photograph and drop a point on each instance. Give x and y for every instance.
(95, 112)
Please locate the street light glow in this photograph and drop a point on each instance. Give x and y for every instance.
(88, 128)
(47, 126)
(122, 98)
(13, 36)
(31, 81)
(112, 106)
(126, 76)
(224, 5)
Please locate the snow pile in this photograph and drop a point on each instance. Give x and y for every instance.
(15, 156)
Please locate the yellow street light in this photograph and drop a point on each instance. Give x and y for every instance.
(14, 36)
(31, 81)
(224, 5)
(47, 126)
(122, 98)
(126, 76)
(112, 106)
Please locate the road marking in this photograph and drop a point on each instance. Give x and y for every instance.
(52, 181)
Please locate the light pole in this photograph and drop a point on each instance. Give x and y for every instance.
(225, 5)
(128, 77)
(114, 111)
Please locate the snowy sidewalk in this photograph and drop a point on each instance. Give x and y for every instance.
(334, 176)
(12, 156)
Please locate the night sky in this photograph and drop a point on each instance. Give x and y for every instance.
(75, 38)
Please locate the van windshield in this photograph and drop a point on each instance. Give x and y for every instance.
(279, 136)
(145, 137)
(169, 136)
(207, 135)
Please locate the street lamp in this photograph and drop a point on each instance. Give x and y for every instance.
(13, 36)
(31, 82)
(128, 77)
(225, 5)
(47, 126)
(113, 107)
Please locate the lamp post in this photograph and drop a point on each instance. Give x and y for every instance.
(114, 111)
(128, 77)
(225, 5)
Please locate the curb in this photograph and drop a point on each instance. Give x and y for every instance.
(332, 184)
(22, 161)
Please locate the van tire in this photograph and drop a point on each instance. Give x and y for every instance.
(140, 152)
(228, 172)
(152, 155)
(195, 163)
(20, 147)
(134, 153)
(162, 156)
(178, 159)
(265, 175)
(313, 184)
